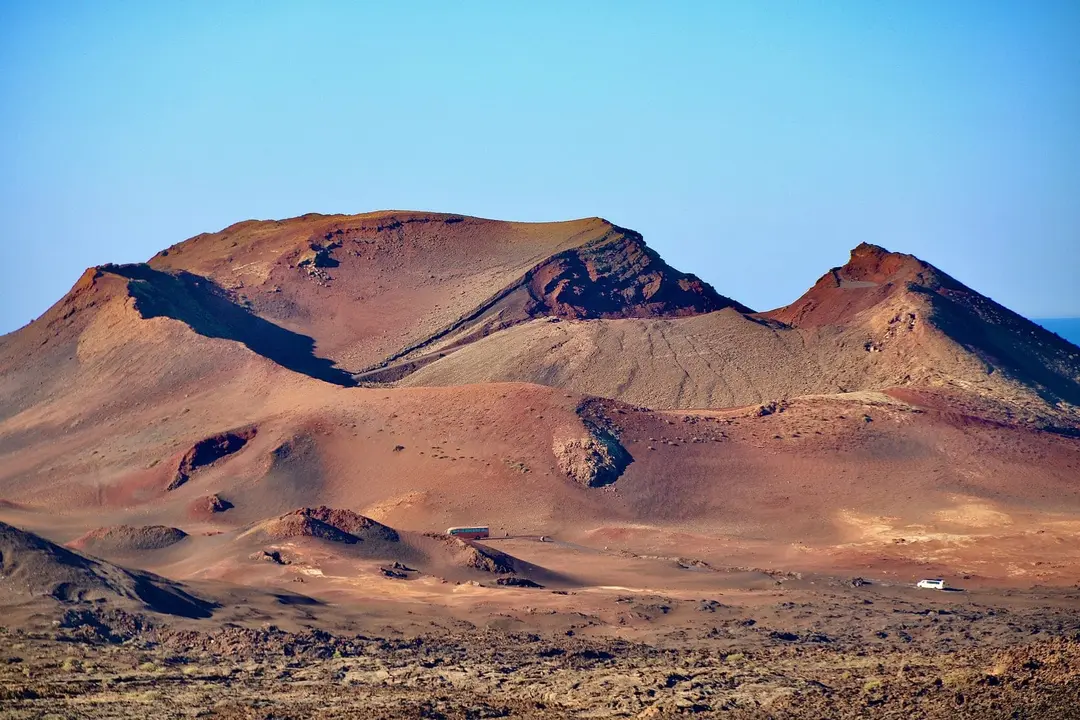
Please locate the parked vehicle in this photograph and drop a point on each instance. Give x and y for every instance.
(931, 584)
(476, 532)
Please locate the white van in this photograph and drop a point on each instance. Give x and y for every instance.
(932, 584)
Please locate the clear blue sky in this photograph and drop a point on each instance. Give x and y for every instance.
(751, 143)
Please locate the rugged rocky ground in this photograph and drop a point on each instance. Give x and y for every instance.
(84, 638)
(954, 660)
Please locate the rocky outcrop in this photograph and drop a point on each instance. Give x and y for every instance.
(618, 276)
(474, 557)
(872, 275)
(594, 459)
(318, 256)
(208, 506)
(613, 276)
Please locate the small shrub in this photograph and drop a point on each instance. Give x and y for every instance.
(958, 678)
(517, 466)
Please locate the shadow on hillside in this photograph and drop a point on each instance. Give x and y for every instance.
(1006, 341)
(204, 307)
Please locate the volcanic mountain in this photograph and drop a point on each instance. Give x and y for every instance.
(327, 296)
(426, 370)
(371, 288)
(883, 320)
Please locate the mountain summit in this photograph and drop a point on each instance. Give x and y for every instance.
(964, 339)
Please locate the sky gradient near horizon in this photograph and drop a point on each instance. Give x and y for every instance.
(753, 144)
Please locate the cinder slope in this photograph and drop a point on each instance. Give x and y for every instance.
(882, 320)
(722, 359)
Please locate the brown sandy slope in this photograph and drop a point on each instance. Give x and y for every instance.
(882, 320)
(94, 354)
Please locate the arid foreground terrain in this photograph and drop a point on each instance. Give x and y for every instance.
(728, 643)
(226, 476)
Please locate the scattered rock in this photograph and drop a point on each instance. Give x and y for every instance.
(783, 635)
(209, 505)
(517, 582)
(317, 256)
(769, 408)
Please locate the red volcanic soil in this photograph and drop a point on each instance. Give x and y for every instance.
(891, 419)
(314, 400)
